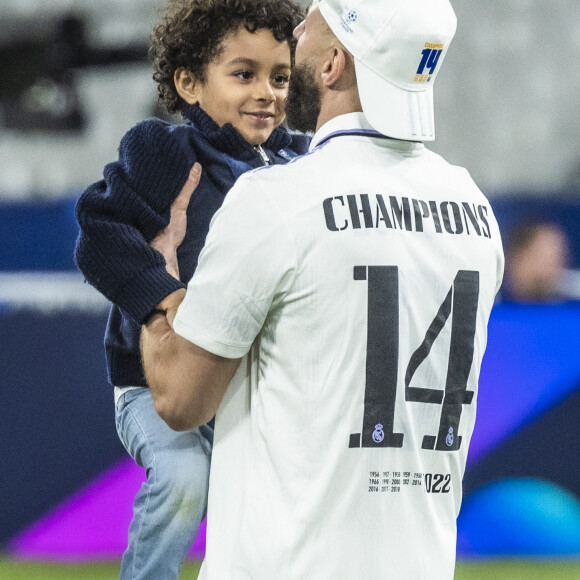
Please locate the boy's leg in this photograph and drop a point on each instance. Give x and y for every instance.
(170, 505)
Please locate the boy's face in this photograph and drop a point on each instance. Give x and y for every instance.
(247, 84)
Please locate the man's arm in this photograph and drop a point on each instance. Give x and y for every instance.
(186, 381)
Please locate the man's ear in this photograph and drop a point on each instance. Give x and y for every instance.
(334, 67)
(186, 85)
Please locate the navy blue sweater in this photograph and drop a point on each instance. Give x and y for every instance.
(119, 215)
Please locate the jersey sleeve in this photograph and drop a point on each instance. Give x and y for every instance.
(244, 271)
(119, 215)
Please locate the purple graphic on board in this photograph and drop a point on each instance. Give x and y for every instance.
(92, 524)
(530, 366)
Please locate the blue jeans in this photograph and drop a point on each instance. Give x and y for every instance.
(171, 504)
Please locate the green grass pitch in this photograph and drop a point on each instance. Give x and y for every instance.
(493, 570)
(11, 570)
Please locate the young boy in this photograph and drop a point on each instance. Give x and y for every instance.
(224, 65)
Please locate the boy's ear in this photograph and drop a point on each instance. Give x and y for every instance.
(186, 85)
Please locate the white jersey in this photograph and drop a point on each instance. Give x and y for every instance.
(358, 280)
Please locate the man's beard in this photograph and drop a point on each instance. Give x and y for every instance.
(304, 99)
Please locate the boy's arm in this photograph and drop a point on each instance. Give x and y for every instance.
(120, 215)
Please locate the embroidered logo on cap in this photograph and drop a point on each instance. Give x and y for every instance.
(429, 59)
(349, 18)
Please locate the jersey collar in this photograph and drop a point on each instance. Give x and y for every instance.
(349, 124)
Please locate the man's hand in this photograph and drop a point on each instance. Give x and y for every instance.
(169, 239)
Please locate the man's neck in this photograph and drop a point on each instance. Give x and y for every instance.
(339, 103)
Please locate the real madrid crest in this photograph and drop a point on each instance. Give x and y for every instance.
(378, 433)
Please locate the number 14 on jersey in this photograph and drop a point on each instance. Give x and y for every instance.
(460, 305)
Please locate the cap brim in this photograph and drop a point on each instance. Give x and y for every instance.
(395, 112)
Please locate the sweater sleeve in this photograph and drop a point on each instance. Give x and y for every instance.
(300, 143)
(119, 215)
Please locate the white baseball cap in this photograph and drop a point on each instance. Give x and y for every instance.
(398, 47)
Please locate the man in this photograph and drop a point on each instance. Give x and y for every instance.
(357, 282)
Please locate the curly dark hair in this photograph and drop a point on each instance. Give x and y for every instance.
(190, 33)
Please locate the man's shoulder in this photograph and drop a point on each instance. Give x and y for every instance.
(436, 159)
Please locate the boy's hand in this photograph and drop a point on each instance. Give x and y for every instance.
(169, 239)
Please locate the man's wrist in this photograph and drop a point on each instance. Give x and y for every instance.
(169, 305)
(154, 318)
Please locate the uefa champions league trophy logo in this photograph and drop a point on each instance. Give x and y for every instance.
(349, 17)
(378, 433)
